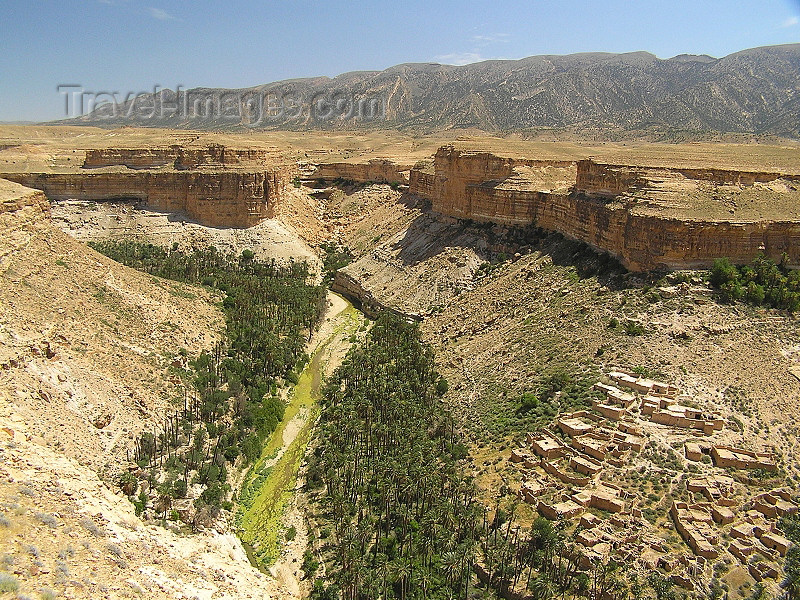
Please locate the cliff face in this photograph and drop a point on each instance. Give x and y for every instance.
(622, 210)
(457, 173)
(21, 210)
(595, 179)
(218, 199)
(375, 170)
(422, 184)
(179, 157)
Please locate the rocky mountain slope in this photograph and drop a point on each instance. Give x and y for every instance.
(86, 347)
(753, 91)
(505, 308)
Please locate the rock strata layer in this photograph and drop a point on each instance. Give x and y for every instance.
(648, 218)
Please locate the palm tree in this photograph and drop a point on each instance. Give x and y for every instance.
(542, 587)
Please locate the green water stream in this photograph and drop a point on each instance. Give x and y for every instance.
(268, 487)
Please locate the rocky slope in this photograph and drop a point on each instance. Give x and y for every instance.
(753, 91)
(85, 351)
(546, 303)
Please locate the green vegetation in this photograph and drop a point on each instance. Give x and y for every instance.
(790, 525)
(399, 514)
(232, 404)
(762, 282)
(555, 393)
(403, 513)
(334, 258)
(268, 486)
(634, 328)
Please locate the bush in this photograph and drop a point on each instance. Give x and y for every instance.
(723, 272)
(8, 583)
(310, 564)
(761, 282)
(754, 294)
(633, 328)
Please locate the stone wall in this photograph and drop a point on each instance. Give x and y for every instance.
(376, 170)
(475, 186)
(178, 157)
(217, 199)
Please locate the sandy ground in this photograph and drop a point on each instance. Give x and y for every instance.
(34, 147)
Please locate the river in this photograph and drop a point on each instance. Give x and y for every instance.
(266, 498)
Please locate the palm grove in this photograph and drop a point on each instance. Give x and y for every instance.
(388, 476)
(231, 402)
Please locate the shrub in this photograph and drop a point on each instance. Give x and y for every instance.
(633, 328)
(723, 272)
(8, 583)
(310, 564)
(755, 293)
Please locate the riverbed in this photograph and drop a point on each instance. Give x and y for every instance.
(267, 508)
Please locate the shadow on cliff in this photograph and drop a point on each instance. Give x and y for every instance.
(430, 234)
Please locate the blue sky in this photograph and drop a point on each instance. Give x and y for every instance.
(131, 45)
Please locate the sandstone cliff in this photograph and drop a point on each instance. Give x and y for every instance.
(376, 170)
(217, 198)
(179, 157)
(648, 218)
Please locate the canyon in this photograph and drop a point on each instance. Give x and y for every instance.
(647, 217)
(505, 260)
(200, 183)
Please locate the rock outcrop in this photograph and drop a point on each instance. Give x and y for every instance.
(376, 170)
(349, 287)
(648, 218)
(215, 185)
(218, 199)
(178, 157)
(15, 197)
(21, 209)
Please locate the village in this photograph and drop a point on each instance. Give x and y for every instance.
(644, 477)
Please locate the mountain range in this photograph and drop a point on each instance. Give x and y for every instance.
(755, 91)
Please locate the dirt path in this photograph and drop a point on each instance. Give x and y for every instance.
(271, 506)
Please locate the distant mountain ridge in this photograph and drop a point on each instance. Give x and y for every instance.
(754, 91)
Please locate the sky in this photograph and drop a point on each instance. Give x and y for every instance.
(131, 46)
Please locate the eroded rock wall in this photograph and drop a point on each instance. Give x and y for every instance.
(422, 184)
(597, 179)
(375, 170)
(217, 199)
(457, 170)
(646, 242)
(483, 187)
(179, 157)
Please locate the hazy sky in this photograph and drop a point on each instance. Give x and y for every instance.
(130, 45)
